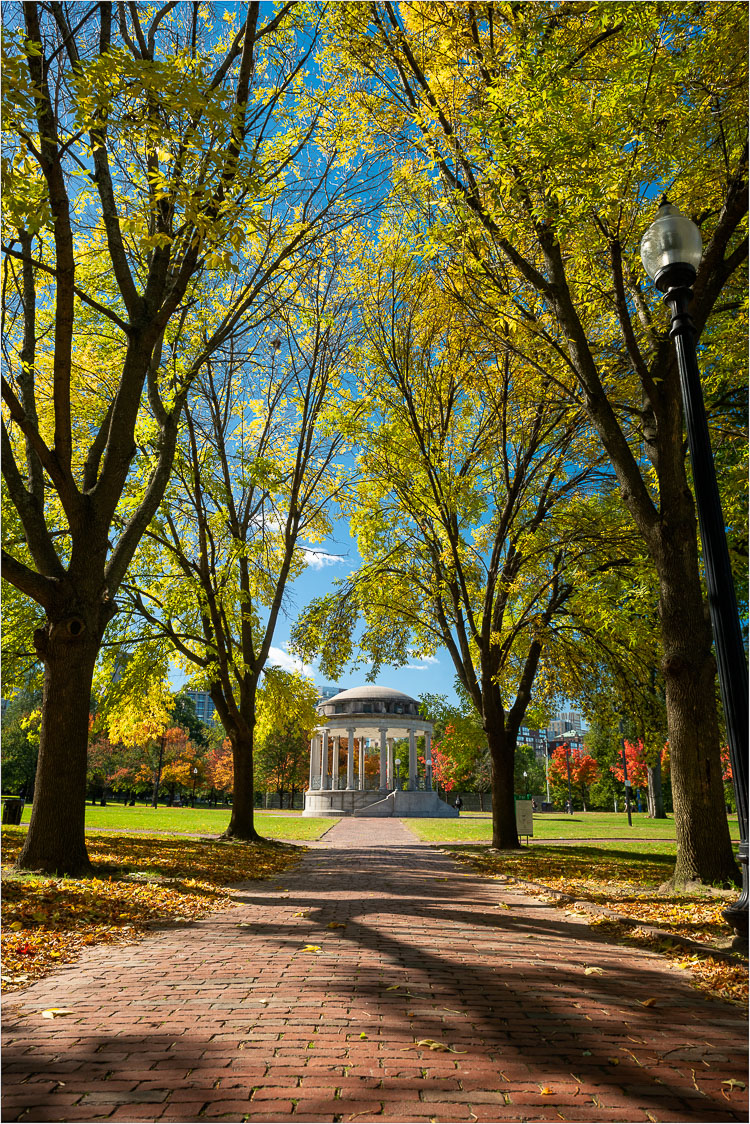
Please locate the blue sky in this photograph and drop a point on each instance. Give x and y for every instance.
(331, 560)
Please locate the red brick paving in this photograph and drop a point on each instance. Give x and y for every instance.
(229, 1019)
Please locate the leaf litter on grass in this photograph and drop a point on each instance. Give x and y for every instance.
(138, 883)
(630, 885)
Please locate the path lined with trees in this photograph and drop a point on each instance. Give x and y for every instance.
(378, 262)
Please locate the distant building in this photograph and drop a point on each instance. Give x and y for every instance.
(537, 739)
(571, 738)
(565, 720)
(204, 705)
(327, 692)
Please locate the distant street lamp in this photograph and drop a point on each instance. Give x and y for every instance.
(628, 785)
(195, 778)
(397, 778)
(671, 251)
(526, 782)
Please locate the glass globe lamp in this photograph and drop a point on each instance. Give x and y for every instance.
(671, 248)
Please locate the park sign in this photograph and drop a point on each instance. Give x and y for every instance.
(524, 817)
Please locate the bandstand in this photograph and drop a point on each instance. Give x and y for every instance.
(354, 725)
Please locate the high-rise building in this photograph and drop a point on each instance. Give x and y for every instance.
(204, 705)
(565, 720)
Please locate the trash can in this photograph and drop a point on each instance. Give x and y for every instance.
(13, 810)
(546, 807)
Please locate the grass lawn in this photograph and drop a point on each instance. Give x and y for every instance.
(551, 825)
(198, 821)
(138, 882)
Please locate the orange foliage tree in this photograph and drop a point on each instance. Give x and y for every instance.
(220, 769)
(584, 770)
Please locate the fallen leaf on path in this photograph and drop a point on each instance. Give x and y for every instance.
(593, 971)
(431, 1044)
(311, 948)
(336, 925)
(55, 1012)
(733, 1083)
(647, 1002)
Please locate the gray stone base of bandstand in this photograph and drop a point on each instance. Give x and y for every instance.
(352, 802)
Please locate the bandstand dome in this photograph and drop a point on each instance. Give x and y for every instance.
(369, 699)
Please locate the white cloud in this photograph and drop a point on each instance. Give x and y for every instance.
(318, 559)
(286, 662)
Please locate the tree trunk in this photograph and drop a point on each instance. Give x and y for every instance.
(56, 842)
(242, 820)
(704, 849)
(502, 754)
(655, 794)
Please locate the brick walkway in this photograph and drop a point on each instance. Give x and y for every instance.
(229, 1019)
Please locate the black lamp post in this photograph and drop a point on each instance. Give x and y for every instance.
(195, 778)
(570, 791)
(671, 251)
(526, 783)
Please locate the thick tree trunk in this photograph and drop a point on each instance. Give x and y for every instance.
(56, 841)
(502, 753)
(704, 849)
(242, 820)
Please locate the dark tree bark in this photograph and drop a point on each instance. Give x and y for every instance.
(502, 751)
(242, 820)
(68, 644)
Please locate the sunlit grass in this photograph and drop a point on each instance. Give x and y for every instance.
(553, 825)
(198, 821)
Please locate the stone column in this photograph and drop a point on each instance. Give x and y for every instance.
(428, 759)
(383, 760)
(335, 772)
(361, 765)
(350, 759)
(323, 759)
(391, 766)
(313, 747)
(412, 761)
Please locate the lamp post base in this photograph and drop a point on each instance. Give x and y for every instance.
(736, 913)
